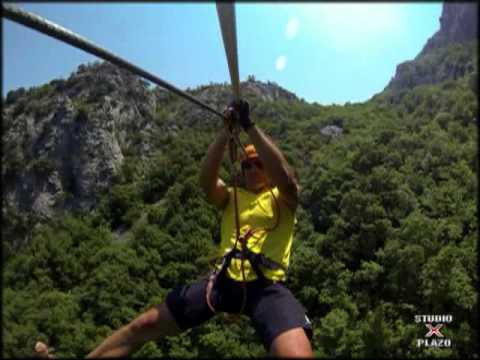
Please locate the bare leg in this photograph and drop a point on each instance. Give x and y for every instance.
(151, 325)
(291, 343)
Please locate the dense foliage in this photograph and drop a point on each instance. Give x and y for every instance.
(387, 229)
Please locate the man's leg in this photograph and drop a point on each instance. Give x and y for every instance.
(291, 343)
(151, 325)
(280, 320)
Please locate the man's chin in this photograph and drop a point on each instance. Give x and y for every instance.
(257, 187)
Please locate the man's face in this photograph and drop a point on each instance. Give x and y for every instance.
(255, 177)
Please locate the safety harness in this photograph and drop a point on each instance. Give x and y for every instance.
(257, 260)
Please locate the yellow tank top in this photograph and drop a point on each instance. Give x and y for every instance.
(258, 211)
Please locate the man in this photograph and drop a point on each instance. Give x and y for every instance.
(255, 287)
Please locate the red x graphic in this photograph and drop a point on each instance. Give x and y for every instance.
(434, 330)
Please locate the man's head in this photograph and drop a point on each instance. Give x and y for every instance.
(252, 169)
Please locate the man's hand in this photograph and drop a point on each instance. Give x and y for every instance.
(231, 119)
(242, 109)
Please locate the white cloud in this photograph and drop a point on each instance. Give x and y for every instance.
(291, 29)
(281, 63)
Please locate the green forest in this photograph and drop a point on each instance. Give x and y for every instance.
(387, 229)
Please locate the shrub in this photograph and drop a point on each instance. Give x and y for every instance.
(43, 166)
(443, 119)
(82, 113)
(14, 95)
(20, 107)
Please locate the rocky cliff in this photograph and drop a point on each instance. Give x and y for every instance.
(63, 142)
(458, 24)
(451, 53)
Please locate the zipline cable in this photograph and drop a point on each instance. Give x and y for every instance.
(226, 17)
(58, 32)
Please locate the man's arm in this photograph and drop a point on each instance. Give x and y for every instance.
(276, 166)
(214, 187)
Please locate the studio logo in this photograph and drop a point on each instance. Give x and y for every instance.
(434, 330)
(434, 337)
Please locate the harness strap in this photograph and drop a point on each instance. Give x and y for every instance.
(208, 294)
(256, 260)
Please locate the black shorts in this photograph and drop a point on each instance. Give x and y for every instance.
(272, 307)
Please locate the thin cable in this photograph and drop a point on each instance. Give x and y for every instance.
(60, 33)
(226, 17)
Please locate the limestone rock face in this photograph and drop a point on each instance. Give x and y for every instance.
(458, 24)
(448, 55)
(269, 91)
(63, 141)
(331, 131)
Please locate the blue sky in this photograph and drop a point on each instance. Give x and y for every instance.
(323, 52)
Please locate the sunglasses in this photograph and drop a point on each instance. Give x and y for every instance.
(248, 164)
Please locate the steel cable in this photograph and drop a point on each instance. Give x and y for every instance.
(226, 17)
(58, 32)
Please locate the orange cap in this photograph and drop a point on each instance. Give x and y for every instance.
(251, 152)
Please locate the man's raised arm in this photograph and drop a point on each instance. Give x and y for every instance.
(276, 166)
(214, 187)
